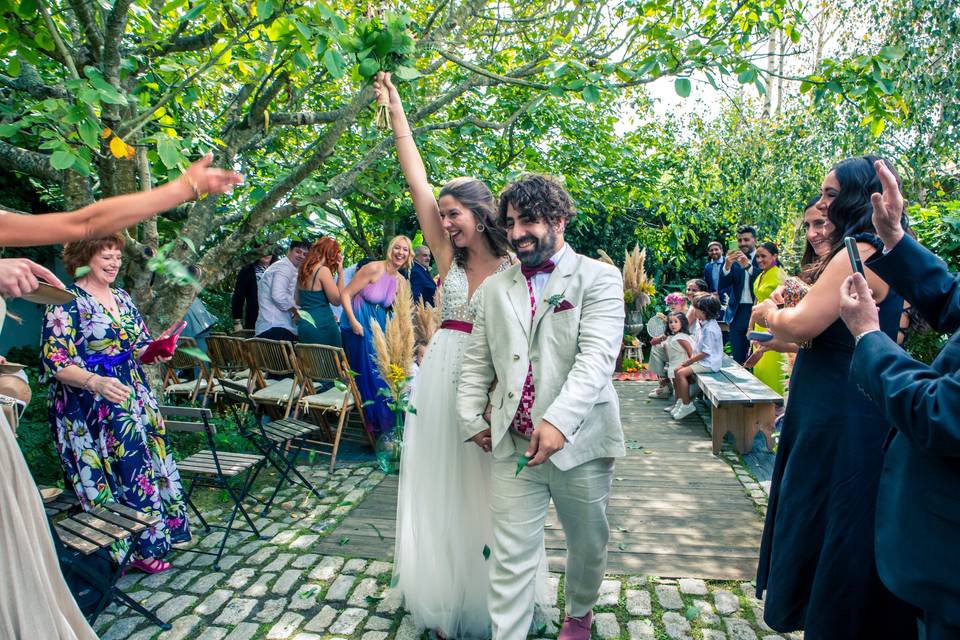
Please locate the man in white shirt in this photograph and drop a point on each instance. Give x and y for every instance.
(276, 294)
(739, 271)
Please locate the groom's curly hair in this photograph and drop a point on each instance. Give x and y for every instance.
(536, 197)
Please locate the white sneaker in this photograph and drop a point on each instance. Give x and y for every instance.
(673, 407)
(684, 411)
(660, 392)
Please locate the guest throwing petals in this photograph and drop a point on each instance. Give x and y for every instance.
(106, 424)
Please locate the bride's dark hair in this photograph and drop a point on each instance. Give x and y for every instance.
(477, 197)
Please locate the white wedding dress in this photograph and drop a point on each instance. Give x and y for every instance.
(443, 509)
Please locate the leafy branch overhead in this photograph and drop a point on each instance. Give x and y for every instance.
(102, 98)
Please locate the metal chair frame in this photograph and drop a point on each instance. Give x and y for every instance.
(280, 441)
(214, 469)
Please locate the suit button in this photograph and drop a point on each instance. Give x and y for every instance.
(516, 356)
(510, 395)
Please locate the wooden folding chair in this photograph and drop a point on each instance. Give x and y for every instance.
(231, 472)
(280, 440)
(227, 360)
(274, 375)
(243, 333)
(173, 386)
(322, 366)
(83, 543)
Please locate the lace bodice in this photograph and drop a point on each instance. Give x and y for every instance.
(455, 305)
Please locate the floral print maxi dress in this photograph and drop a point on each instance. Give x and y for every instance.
(112, 452)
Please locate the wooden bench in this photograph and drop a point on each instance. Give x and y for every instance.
(739, 404)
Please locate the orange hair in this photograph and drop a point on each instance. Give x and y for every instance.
(325, 252)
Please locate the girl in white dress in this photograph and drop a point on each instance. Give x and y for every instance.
(679, 345)
(443, 508)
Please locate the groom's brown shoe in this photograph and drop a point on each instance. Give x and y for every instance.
(576, 628)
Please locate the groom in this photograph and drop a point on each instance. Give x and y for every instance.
(549, 331)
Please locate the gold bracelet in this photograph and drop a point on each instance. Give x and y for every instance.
(87, 381)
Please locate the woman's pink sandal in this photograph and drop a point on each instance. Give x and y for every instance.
(151, 565)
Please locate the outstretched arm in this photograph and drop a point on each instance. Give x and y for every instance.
(113, 214)
(424, 202)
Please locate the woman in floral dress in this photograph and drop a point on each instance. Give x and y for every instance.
(106, 424)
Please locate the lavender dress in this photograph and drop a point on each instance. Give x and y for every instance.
(369, 306)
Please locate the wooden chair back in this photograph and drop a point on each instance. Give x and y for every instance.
(226, 355)
(270, 357)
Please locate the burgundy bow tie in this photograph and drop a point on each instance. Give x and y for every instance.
(546, 266)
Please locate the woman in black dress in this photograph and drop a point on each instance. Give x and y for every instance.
(817, 554)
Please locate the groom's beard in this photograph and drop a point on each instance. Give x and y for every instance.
(541, 250)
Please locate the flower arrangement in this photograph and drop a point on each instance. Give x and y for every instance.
(638, 289)
(674, 298)
(394, 349)
(630, 365)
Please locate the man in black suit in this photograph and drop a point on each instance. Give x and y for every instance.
(918, 507)
(739, 271)
(421, 281)
(243, 303)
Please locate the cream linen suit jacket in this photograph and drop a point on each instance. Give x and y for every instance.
(573, 352)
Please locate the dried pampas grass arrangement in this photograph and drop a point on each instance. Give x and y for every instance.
(426, 317)
(605, 257)
(394, 346)
(638, 289)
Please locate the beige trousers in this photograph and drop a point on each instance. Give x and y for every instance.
(519, 508)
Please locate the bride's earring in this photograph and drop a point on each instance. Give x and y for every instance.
(480, 227)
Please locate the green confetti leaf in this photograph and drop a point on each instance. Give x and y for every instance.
(622, 546)
(194, 352)
(344, 540)
(374, 527)
(522, 461)
(373, 599)
(81, 271)
(682, 87)
(306, 593)
(395, 580)
(306, 317)
(691, 613)
(486, 552)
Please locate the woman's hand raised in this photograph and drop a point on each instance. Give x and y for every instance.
(383, 86)
(203, 179)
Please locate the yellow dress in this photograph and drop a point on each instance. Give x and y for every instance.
(770, 368)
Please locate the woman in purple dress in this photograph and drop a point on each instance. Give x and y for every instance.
(366, 300)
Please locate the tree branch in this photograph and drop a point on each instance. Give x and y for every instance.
(90, 28)
(195, 42)
(29, 162)
(490, 74)
(29, 82)
(305, 118)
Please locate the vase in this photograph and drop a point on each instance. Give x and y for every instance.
(389, 447)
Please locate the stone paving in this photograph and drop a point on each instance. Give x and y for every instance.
(276, 588)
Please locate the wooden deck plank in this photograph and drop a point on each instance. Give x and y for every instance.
(676, 509)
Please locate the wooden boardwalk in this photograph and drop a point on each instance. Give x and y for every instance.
(676, 509)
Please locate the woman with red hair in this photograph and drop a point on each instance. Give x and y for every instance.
(317, 291)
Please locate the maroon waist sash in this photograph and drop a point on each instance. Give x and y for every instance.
(457, 325)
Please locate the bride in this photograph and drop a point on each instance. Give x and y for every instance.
(443, 510)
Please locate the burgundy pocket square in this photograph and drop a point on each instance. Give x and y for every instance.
(563, 306)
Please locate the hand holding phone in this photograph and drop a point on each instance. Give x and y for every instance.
(760, 336)
(854, 254)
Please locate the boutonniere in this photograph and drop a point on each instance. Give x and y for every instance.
(558, 302)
